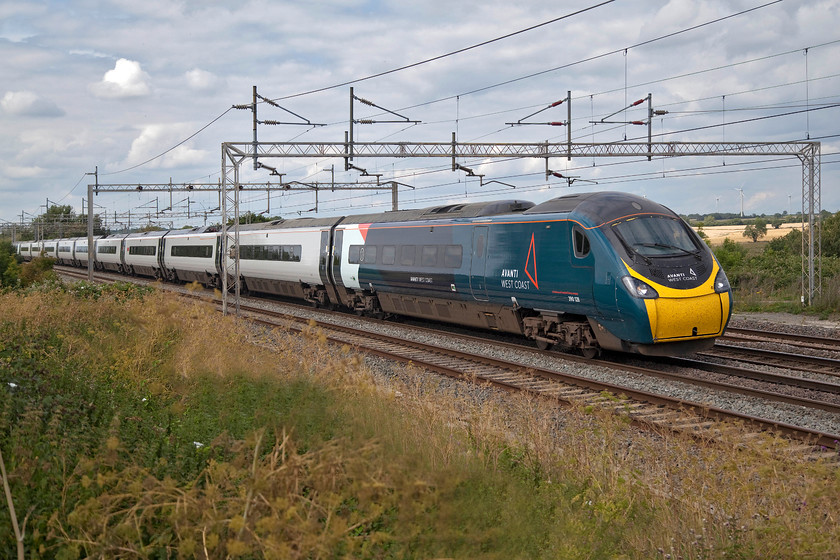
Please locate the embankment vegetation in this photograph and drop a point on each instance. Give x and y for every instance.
(134, 424)
(767, 275)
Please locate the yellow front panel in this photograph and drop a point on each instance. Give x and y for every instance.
(675, 313)
(678, 317)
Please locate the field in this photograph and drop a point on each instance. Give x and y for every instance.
(735, 233)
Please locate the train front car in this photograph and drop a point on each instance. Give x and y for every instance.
(657, 289)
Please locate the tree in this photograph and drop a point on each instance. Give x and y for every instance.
(61, 221)
(251, 218)
(9, 267)
(730, 254)
(756, 229)
(830, 235)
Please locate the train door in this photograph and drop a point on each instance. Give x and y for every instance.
(582, 270)
(334, 265)
(325, 270)
(478, 263)
(220, 257)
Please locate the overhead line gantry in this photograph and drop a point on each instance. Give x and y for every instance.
(808, 153)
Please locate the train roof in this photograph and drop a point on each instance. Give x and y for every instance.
(600, 207)
(292, 223)
(445, 212)
(148, 234)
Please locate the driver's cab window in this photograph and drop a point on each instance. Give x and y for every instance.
(580, 242)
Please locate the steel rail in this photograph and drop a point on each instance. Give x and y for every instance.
(751, 335)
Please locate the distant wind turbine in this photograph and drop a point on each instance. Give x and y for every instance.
(741, 191)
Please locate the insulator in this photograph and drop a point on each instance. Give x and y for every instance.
(556, 103)
(659, 112)
(242, 106)
(638, 102)
(557, 123)
(365, 121)
(638, 122)
(365, 101)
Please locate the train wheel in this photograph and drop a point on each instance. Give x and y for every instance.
(544, 345)
(589, 352)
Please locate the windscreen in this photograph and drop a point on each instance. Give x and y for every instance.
(655, 236)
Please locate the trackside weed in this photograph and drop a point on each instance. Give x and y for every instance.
(138, 425)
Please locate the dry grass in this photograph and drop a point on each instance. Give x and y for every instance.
(724, 499)
(348, 462)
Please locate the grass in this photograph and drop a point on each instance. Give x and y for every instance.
(137, 425)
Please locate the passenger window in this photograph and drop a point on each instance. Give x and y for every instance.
(389, 254)
(429, 256)
(581, 243)
(452, 256)
(354, 254)
(407, 255)
(368, 255)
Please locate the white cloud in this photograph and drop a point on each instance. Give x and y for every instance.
(21, 172)
(127, 79)
(29, 104)
(201, 80)
(156, 138)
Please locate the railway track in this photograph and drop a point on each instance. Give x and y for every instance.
(775, 358)
(734, 334)
(645, 409)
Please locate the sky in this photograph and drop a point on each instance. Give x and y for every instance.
(142, 92)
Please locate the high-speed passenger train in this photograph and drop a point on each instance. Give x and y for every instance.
(594, 271)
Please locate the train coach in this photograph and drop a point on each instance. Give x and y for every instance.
(590, 272)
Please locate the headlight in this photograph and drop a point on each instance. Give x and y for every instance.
(638, 288)
(721, 282)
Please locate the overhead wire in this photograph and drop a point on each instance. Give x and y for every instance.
(595, 57)
(448, 54)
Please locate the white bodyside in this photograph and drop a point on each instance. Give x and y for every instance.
(142, 260)
(306, 270)
(65, 250)
(350, 272)
(193, 264)
(50, 248)
(80, 249)
(109, 258)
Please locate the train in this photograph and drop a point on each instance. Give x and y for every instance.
(584, 272)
